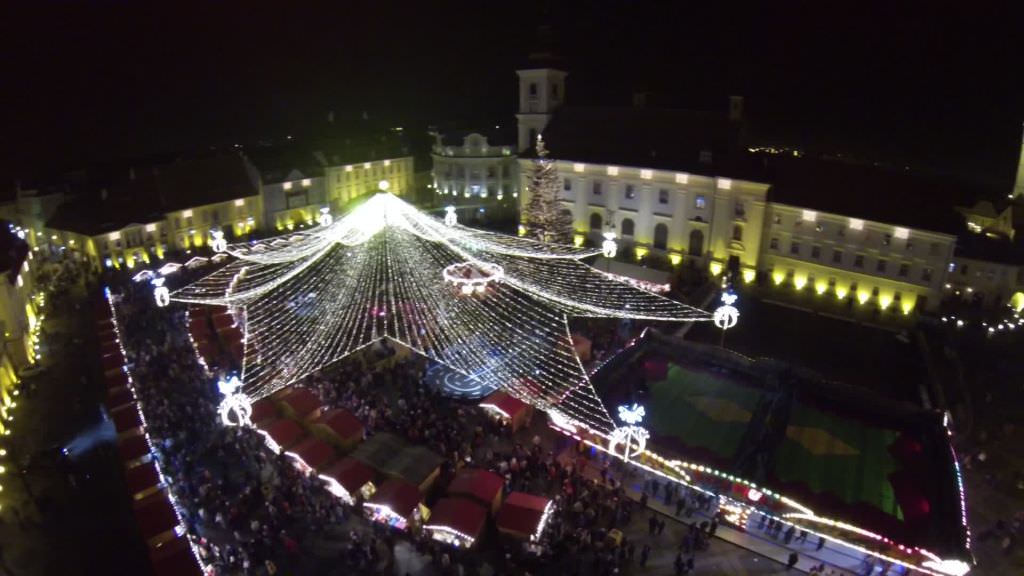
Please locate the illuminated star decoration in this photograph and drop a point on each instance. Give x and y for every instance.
(491, 307)
(726, 316)
(632, 437)
(235, 408)
(161, 294)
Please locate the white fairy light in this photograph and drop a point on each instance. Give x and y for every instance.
(161, 294)
(632, 437)
(387, 270)
(450, 217)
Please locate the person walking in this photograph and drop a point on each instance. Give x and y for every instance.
(793, 558)
(821, 542)
(789, 534)
(645, 553)
(679, 506)
(661, 527)
(652, 525)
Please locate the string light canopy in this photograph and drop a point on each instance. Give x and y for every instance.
(387, 270)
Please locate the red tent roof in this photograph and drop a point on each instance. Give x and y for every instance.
(341, 422)
(398, 495)
(263, 409)
(225, 320)
(314, 452)
(113, 362)
(175, 558)
(459, 514)
(108, 347)
(116, 379)
(509, 405)
(142, 477)
(302, 401)
(133, 448)
(521, 513)
(117, 397)
(481, 485)
(351, 473)
(155, 515)
(285, 432)
(126, 418)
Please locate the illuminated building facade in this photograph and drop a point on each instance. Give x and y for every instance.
(469, 171)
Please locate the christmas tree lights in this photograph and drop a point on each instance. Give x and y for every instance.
(491, 307)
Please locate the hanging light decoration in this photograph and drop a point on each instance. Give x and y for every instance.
(161, 294)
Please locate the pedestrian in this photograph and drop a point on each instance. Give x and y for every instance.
(679, 564)
(821, 542)
(793, 558)
(713, 528)
(661, 527)
(631, 551)
(789, 534)
(761, 522)
(652, 525)
(679, 506)
(643, 500)
(645, 553)
(803, 536)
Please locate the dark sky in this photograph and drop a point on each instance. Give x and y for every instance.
(938, 84)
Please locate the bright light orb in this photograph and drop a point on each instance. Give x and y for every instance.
(219, 244)
(325, 218)
(726, 316)
(384, 185)
(609, 248)
(161, 294)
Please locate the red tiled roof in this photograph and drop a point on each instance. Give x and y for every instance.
(510, 405)
(521, 513)
(351, 473)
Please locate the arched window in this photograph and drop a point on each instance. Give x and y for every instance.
(696, 243)
(596, 222)
(627, 227)
(661, 236)
(737, 233)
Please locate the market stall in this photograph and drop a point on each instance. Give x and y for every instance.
(175, 558)
(300, 403)
(133, 449)
(482, 486)
(396, 503)
(457, 521)
(157, 520)
(509, 409)
(524, 516)
(312, 454)
(349, 479)
(263, 411)
(339, 427)
(282, 434)
(143, 480)
(127, 420)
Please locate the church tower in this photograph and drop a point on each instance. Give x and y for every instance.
(541, 92)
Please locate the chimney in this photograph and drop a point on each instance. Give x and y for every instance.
(735, 108)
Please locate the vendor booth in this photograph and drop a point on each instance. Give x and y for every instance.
(509, 409)
(524, 516)
(282, 434)
(339, 427)
(127, 421)
(312, 454)
(175, 558)
(133, 449)
(396, 503)
(263, 411)
(482, 486)
(300, 404)
(143, 480)
(457, 521)
(157, 519)
(349, 479)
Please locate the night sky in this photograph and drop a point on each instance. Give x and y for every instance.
(938, 85)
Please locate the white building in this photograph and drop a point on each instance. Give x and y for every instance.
(470, 171)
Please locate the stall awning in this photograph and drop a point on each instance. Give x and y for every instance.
(342, 423)
(175, 558)
(300, 402)
(480, 485)
(155, 516)
(133, 448)
(352, 474)
(460, 515)
(521, 514)
(285, 433)
(142, 479)
(506, 405)
(314, 453)
(400, 496)
(126, 418)
(263, 409)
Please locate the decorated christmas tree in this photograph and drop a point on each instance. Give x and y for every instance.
(546, 218)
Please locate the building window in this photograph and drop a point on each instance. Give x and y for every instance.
(662, 196)
(533, 89)
(926, 274)
(934, 249)
(880, 266)
(698, 201)
(597, 188)
(567, 185)
(904, 270)
(737, 233)
(596, 222)
(661, 236)
(739, 210)
(816, 252)
(858, 261)
(630, 192)
(777, 219)
(794, 248)
(774, 244)
(627, 227)
(963, 270)
(837, 256)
